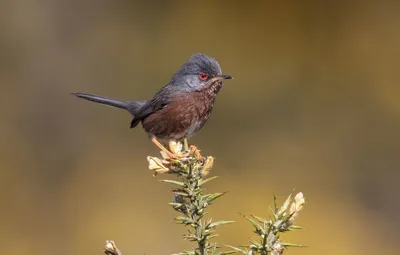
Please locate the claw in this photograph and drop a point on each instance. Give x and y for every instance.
(172, 153)
(196, 152)
(193, 150)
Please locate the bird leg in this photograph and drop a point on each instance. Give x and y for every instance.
(159, 145)
(171, 153)
(187, 150)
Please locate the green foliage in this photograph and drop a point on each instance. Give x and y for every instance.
(269, 230)
(191, 202)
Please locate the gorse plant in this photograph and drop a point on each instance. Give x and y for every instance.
(191, 202)
(268, 230)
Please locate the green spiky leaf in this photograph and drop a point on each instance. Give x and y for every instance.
(190, 237)
(238, 249)
(257, 226)
(209, 236)
(211, 197)
(175, 205)
(227, 252)
(295, 227)
(287, 245)
(184, 220)
(174, 182)
(275, 205)
(218, 223)
(181, 193)
(261, 220)
(202, 182)
(254, 242)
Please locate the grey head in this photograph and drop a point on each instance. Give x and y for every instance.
(199, 71)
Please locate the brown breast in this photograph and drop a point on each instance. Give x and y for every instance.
(184, 116)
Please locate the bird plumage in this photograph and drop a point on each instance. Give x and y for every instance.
(180, 108)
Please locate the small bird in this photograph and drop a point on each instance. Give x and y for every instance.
(180, 108)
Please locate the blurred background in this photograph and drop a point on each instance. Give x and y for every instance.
(314, 106)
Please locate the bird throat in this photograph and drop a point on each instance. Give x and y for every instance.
(209, 94)
(213, 89)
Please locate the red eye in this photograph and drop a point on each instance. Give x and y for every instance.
(203, 76)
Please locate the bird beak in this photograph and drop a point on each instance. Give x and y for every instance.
(222, 77)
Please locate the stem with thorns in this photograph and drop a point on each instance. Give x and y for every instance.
(191, 202)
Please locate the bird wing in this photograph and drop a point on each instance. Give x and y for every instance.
(158, 102)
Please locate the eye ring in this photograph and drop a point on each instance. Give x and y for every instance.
(203, 76)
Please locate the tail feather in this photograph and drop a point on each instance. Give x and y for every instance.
(102, 100)
(132, 106)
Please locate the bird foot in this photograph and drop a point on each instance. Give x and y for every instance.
(170, 154)
(193, 150)
(175, 154)
(180, 155)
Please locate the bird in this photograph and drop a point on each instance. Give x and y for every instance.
(180, 108)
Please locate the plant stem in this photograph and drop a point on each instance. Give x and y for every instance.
(189, 198)
(194, 211)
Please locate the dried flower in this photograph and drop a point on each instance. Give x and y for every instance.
(159, 166)
(111, 248)
(207, 166)
(167, 164)
(175, 147)
(296, 206)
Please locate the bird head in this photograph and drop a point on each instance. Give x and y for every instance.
(199, 72)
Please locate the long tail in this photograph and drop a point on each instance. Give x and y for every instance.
(132, 106)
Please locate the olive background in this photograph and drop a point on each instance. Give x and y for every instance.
(314, 105)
